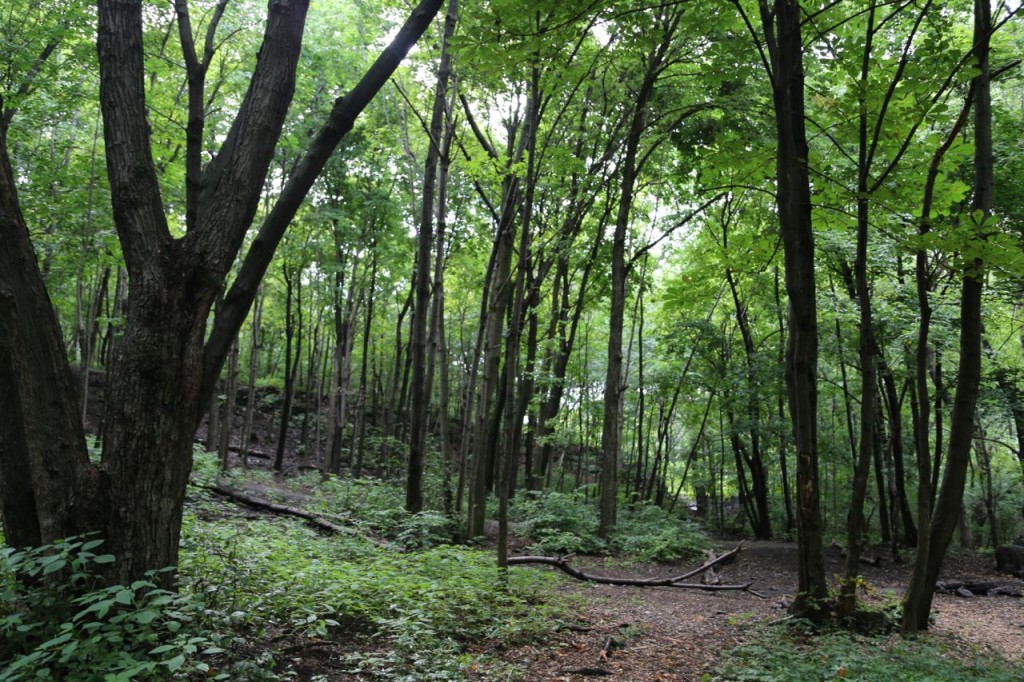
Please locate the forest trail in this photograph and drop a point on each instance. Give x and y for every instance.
(670, 635)
(663, 634)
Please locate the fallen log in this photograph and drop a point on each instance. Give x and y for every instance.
(590, 672)
(563, 565)
(979, 588)
(311, 518)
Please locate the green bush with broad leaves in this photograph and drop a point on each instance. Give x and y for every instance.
(59, 621)
(278, 576)
(649, 533)
(560, 522)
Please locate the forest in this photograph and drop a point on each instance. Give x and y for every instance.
(399, 340)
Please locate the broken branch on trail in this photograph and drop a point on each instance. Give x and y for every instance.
(563, 565)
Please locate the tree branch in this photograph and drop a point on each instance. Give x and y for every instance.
(562, 564)
(346, 109)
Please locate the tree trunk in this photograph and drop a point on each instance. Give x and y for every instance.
(250, 398)
(781, 26)
(936, 536)
(420, 403)
(228, 420)
(292, 325)
(163, 374)
(611, 430)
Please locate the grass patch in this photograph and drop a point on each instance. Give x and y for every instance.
(797, 652)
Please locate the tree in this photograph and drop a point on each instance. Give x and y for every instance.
(166, 368)
(937, 533)
(420, 403)
(781, 26)
(659, 55)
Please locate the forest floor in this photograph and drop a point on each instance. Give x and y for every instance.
(665, 634)
(668, 634)
(652, 634)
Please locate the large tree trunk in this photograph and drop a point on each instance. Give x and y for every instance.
(162, 374)
(44, 467)
(781, 25)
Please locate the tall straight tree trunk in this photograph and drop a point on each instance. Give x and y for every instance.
(782, 32)
(781, 409)
(935, 537)
(655, 63)
(759, 515)
(361, 404)
(250, 399)
(292, 327)
(228, 419)
(420, 388)
(868, 398)
(495, 302)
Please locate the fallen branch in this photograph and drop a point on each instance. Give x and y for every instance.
(563, 565)
(606, 650)
(979, 588)
(248, 500)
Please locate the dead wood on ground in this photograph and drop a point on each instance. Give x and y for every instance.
(311, 518)
(563, 565)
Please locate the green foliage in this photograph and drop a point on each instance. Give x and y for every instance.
(799, 653)
(59, 621)
(559, 522)
(272, 576)
(377, 507)
(649, 533)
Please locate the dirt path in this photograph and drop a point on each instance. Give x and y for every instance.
(666, 634)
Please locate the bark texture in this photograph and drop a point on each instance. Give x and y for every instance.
(162, 375)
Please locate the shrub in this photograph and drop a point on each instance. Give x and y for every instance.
(649, 533)
(559, 522)
(59, 621)
(281, 577)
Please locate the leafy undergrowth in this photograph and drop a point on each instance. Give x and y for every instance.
(398, 615)
(264, 598)
(798, 652)
(561, 522)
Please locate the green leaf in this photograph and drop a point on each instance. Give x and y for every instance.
(124, 597)
(55, 566)
(145, 617)
(104, 559)
(175, 663)
(56, 641)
